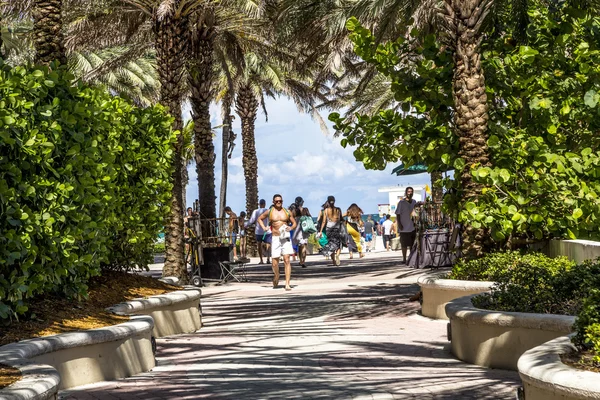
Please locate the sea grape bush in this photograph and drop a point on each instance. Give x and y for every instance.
(531, 282)
(544, 101)
(83, 183)
(502, 266)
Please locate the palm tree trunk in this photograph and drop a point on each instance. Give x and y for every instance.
(170, 36)
(1, 41)
(47, 32)
(227, 120)
(185, 179)
(247, 107)
(470, 101)
(200, 82)
(436, 189)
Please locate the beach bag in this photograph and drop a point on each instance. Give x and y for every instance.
(307, 225)
(323, 240)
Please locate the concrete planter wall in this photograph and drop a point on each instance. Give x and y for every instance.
(576, 250)
(545, 377)
(62, 361)
(438, 292)
(173, 313)
(497, 339)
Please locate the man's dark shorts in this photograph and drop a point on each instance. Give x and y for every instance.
(407, 238)
(263, 239)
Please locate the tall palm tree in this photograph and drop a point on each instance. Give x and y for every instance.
(200, 79)
(464, 19)
(227, 142)
(187, 156)
(170, 23)
(272, 74)
(246, 106)
(48, 33)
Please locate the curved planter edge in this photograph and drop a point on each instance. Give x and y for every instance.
(544, 375)
(497, 339)
(42, 380)
(173, 313)
(438, 292)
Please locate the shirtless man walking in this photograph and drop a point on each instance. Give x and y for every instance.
(281, 242)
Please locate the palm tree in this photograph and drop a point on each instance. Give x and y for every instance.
(227, 142)
(187, 156)
(170, 23)
(200, 80)
(272, 73)
(47, 32)
(246, 106)
(123, 64)
(464, 19)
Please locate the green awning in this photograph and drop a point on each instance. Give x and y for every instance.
(412, 170)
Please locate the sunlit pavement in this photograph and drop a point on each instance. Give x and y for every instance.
(346, 332)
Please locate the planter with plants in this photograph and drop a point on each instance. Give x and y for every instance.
(534, 301)
(567, 367)
(437, 292)
(466, 278)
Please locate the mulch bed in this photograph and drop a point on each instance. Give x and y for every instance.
(582, 360)
(8, 375)
(50, 315)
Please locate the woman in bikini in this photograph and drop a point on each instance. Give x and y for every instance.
(333, 229)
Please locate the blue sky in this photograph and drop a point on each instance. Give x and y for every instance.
(295, 158)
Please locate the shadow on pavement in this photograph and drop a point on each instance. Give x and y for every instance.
(355, 341)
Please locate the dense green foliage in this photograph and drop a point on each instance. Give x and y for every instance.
(546, 179)
(501, 266)
(84, 178)
(159, 248)
(531, 282)
(587, 325)
(544, 100)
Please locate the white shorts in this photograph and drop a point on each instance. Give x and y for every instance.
(281, 248)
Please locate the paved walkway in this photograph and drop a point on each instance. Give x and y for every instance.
(341, 333)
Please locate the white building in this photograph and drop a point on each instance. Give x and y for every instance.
(396, 193)
(383, 209)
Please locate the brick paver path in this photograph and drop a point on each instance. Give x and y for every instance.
(341, 333)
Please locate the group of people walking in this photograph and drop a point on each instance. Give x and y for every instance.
(282, 232)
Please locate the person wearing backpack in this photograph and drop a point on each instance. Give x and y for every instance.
(306, 228)
(281, 222)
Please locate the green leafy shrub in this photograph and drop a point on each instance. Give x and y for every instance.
(142, 184)
(76, 189)
(505, 266)
(587, 325)
(159, 248)
(539, 284)
(543, 100)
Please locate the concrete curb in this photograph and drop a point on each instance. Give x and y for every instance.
(151, 303)
(463, 309)
(545, 376)
(42, 381)
(438, 292)
(173, 313)
(497, 339)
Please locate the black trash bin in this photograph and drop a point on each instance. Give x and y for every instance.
(210, 269)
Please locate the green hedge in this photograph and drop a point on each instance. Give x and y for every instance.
(531, 282)
(83, 183)
(504, 266)
(587, 325)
